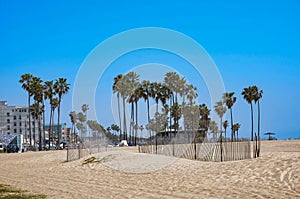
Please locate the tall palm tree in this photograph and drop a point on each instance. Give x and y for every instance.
(171, 80)
(73, 119)
(257, 96)
(176, 113)
(37, 90)
(84, 109)
(236, 128)
(115, 89)
(53, 105)
(191, 93)
(204, 113)
(225, 125)
(36, 112)
(248, 94)
(155, 92)
(80, 124)
(213, 126)
(49, 93)
(229, 100)
(26, 81)
(61, 87)
(146, 95)
(138, 94)
(220, 109)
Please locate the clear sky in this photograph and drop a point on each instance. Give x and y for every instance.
(252, 43)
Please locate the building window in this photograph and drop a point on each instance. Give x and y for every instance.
(20, 123)
(15, 123)
(13, 110)
(7, 114)
(8, 127)
(33, 123)
(20, 110)
(8, 120)
(20, 117)
(20, 130)
(15, 117)
(15, 130)
(25, 110)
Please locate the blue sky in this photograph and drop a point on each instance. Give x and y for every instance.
(252, 43)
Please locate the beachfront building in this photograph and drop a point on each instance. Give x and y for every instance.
(15, 120)
(64, 136)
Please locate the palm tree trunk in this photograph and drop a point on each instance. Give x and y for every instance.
(44, 134)
(34, 134)
(148, 108)
(231, 118)
(131, 129)
(119, 113)
(136, 121)
(50, 127)
(258, 128)
(58, 122)
(170, 117)
(252, 122)
(29, 118)
(40, 133)
(124, 121)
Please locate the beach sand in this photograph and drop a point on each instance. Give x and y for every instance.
(124, 173)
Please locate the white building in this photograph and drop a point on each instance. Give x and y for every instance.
(15, 120)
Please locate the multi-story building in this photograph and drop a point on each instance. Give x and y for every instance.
(15, 120)
(65, 133)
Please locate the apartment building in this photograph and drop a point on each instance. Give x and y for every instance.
(15, 120)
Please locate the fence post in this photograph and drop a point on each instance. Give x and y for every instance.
(79, 150)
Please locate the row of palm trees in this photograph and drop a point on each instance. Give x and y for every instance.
(80, 122)
(250, 94)
(130, 90)
(41, 91)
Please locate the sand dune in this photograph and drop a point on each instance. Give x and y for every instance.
(127, 174)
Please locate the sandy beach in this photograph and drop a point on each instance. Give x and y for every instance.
(124, 173)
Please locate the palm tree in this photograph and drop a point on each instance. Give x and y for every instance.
(220, 109)
(37, 90)
(248, 94)
(84, 109)
(155, 90)
(80, 124)
(229, 100)
(61, 87)
(171, 81)
(73, 119)
(257, 96)
(225, 125)
(213, 126)
(236, 128)
(36, 112)
(54, 105)
(26, 81)
(116, 90)
(204, 113)
(49, 93)
(176, 113)
(138, 94)
(191, 93)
